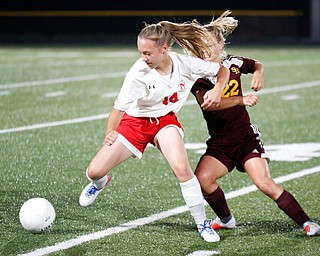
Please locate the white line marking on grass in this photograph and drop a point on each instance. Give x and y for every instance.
(189, 102)
(289, 87)
(203, 253)
(55, 94)
(290, 63)
(57, 123)
(4, 93)
(62, 80)
(110, 95)
(152, 218)
(290, 97)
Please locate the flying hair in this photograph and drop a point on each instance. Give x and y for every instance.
(222, 26)
(193, 38)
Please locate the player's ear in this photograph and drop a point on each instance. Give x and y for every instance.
(165, 48)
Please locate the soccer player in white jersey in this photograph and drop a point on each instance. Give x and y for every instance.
(153, 91)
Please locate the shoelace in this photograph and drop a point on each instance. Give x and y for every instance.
(92, 190)
(210, 221)
(206, 227)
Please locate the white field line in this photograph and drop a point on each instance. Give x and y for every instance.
(290, 63)
(204, 253)
(289, 87)
(155, 217)
(115, 74)
(62, 80)
(57, 123)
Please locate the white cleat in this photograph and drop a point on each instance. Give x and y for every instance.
(90, 193)
(207, 232)
(311, 228)
(218, 224)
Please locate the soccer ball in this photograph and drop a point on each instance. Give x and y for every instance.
(37, 215)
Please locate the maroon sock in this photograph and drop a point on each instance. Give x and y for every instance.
(218, 203)
(287, 203)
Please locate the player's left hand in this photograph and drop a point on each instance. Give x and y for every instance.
(256, 82)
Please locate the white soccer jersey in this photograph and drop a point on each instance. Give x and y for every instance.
(146, 93)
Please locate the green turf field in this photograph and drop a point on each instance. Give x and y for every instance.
(54, 104)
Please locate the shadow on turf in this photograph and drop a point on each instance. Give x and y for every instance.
(182, 227)
(272, 227)
(255, 227)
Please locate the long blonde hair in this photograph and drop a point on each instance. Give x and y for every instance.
(194, 38)
(222, 26)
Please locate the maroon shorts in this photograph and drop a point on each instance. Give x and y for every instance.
(234, 153)
(136, 132)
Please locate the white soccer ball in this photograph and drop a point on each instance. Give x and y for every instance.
(37, 215)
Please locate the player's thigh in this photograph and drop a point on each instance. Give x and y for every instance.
(108, 157)
(258, 171)
(209, 168)
(170, 143)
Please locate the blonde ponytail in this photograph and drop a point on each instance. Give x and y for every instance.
(193, 38)
(222, 27)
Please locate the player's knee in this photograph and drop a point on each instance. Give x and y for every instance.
(93, 174)
(204, 177)
(267, 187)
(182, 172)
(180, 166)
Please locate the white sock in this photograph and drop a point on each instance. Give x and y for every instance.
(192, 195)
(100, 182)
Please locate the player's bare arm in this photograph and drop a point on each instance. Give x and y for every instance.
(212, 97)
(113, 122)
(257, 77)
(248, 100)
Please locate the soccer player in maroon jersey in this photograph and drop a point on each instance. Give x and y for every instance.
(235, 142)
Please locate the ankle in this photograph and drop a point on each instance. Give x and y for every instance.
(225, 220)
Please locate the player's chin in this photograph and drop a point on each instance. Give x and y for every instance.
(150, 65)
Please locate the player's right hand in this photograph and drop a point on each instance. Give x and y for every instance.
(250, 100)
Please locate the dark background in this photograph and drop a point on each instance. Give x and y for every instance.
(100, 22)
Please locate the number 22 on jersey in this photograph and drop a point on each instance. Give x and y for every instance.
(231, 89)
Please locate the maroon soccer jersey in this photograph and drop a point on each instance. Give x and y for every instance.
(229, 122)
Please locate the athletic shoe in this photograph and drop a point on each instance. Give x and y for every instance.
(207, 233)
(311, 228)
(218, 224)
(90, 193)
